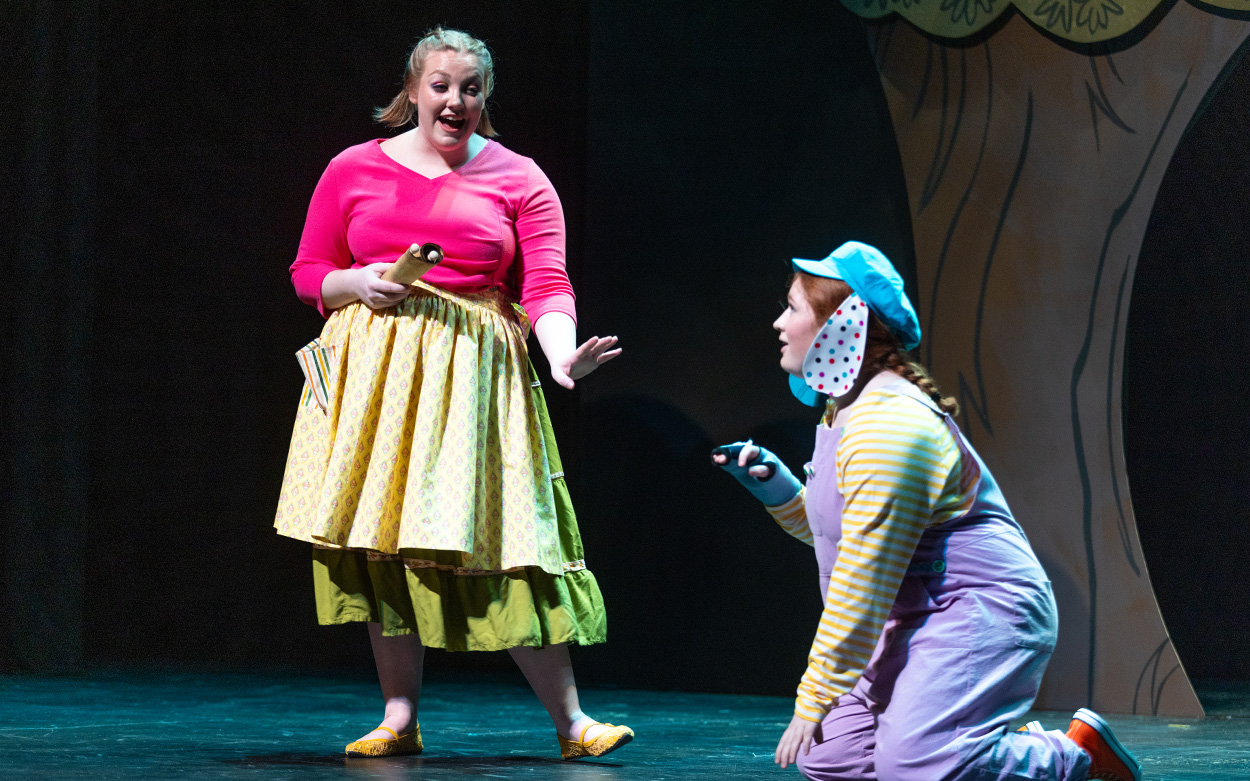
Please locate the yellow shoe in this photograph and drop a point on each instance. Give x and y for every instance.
(609, 740)
(400, 745)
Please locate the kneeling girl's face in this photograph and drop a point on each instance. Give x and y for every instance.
(796, 328)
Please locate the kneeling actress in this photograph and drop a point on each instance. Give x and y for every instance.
(938, 619)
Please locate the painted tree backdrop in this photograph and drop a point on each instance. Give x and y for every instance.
(1033, 143)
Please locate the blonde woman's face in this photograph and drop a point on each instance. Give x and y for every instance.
(449, 97)
(796, 328)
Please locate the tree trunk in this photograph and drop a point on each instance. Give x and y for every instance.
(1031, 172)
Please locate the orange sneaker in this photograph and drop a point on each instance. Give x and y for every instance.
(1108, 759)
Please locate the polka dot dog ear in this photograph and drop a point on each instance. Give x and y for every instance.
(833, 361)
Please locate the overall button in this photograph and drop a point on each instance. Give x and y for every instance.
(935, 567)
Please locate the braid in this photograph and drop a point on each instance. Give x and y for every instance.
(895, 360)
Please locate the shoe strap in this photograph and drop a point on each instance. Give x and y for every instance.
(388, 729)
(582, 739)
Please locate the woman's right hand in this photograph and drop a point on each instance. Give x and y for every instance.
(745, 456)
(761, 472)
(375, 292)
(343, 286)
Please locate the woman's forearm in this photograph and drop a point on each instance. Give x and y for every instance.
(557, 335)
(338, 289)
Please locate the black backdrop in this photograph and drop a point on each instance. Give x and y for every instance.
(1186, 389)
(162, 158)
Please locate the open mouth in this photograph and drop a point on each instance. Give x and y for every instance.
(451, 124)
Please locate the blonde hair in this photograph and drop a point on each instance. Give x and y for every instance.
(400, 111)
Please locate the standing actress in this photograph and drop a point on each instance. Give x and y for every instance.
(938, 619)
(425, 474)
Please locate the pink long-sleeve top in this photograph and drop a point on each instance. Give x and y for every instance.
(368, 208)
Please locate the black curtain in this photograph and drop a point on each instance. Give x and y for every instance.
(49, 171)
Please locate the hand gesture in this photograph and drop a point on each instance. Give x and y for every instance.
(759, 471)
(593, 353)
(748, 459)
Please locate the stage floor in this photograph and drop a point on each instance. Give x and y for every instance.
(229, 726)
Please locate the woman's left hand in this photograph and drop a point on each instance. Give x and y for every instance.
(797, 736)
(593, 353)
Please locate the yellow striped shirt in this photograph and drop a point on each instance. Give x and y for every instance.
(899, 471)
(792, 516)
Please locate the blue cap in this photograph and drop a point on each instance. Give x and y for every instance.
(871, 275)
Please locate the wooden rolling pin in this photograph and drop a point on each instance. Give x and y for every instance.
(411, 265)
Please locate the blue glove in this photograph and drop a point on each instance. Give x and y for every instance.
(777, 487)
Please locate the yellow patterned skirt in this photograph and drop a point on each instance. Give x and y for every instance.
(430, 484)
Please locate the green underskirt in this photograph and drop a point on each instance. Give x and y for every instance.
(458, 612)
